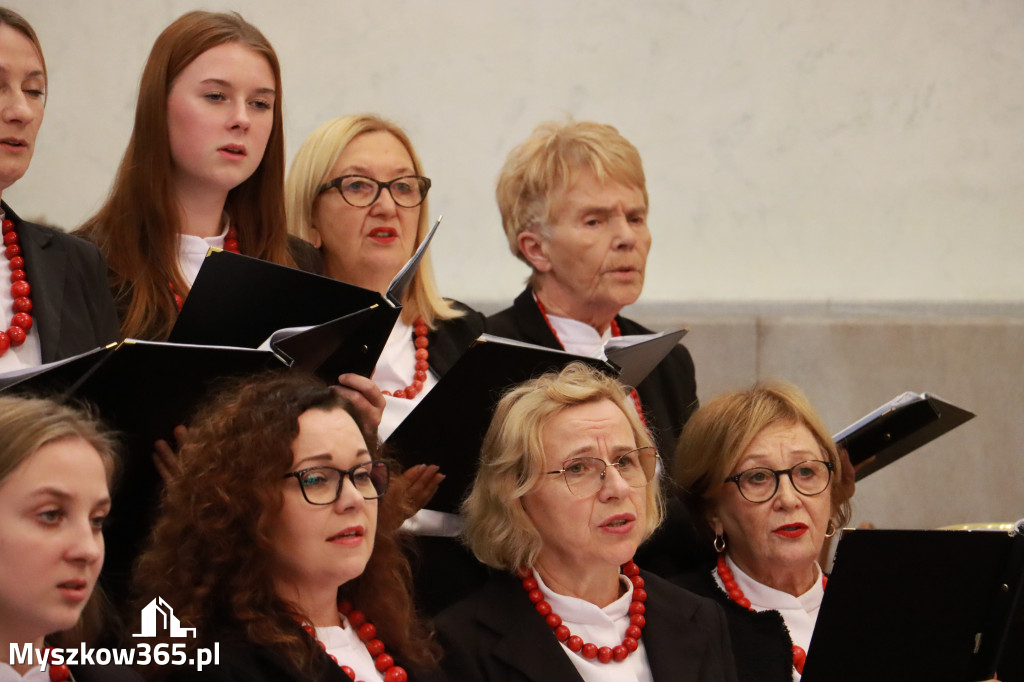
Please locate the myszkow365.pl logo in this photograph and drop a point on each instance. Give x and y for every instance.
(157, 617)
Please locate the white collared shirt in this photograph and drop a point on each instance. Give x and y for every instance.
(579, 338)
(34, 674)
(603, 627)
(395, 370)
(192, 252)
(798, 613)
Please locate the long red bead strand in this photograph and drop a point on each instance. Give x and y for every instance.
(367, 633)
(21, 321)
(422, 342)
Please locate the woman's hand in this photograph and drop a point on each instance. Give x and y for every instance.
(365, 397)
(165, 457)
(421, 482)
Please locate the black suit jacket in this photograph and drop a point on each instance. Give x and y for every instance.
(764, 649)
(497, 636)
(668, 394)
(72, 309)
(452, 337)
(247, 662)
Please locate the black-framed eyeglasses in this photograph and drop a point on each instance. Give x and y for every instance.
(322, 484)
(585, 475)
(760, 484)
(360, 191)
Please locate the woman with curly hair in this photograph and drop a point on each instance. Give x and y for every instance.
(275, 542)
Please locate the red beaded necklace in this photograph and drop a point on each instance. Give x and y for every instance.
(59, 673)
(21, 322)
(604, 654)
(230, 244)
(736, 594)
(367, 633)
(615, 332)
(420, 330)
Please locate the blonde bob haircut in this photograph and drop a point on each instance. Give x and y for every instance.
(718, 434)
(311, 169)
(550, 161)
(512, 462)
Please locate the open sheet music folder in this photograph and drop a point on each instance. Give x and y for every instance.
(897, 428)
(240, 301)
(935, 605)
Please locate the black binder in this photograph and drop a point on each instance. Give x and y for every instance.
(936, 605)
(899, 430)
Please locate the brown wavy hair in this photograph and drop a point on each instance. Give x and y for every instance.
(210, 555)
(137, 228)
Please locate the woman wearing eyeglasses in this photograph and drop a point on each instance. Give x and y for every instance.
(764, 473)
(566, 490)
(356, 191)
(275, 542)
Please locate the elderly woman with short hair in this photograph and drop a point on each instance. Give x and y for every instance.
(764, 474)
(567, 489)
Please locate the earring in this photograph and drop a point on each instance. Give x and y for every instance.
(830, 529)
(719, 543)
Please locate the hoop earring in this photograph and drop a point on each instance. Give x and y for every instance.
(719, 543)
(830, 529)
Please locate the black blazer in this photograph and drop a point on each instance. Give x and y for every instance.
(452, 337)
(764, 649)
(72, 309)
(668, 394)
(496, 635)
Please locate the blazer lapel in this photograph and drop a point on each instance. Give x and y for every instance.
(527, 644)
(531, 321)
(676, 649)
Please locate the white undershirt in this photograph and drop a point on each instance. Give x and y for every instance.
(34, 674)
(192, 252)
(344, 644)
(395, 370)
(28, 354)
(603, 627)
(799, 613)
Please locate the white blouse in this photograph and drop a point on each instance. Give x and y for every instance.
(192, 252)
(798, 613)
(603, 627)
(34, 674)
(395, 370)
(344, 644)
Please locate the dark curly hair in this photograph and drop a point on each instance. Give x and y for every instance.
(210, 554)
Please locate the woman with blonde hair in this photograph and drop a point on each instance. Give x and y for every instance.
(356, 190)
(204, 168)
(567, 489)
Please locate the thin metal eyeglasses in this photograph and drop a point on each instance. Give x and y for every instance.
(760, 484)
(360, 191)
(584, 476)
(322, 484)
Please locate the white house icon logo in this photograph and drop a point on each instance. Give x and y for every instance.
(159, 609)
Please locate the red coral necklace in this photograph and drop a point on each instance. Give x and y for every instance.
(21, 322)
(367, 633)
(736, 594)
(420, 330)
(575, 643)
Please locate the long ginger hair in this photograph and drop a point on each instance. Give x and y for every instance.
(138, 226)
(210, 555)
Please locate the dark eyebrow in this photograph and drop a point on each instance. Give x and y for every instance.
(63, 496)
(325, 457)
(362, 170)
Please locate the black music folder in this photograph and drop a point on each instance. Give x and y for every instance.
(447, 427)
(897, 428)
(936, 605)
(240, 301)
